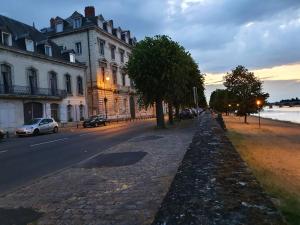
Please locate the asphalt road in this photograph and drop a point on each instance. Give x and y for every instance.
(25, 159)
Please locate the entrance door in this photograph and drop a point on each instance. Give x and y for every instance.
(32, 110)
(132, 107)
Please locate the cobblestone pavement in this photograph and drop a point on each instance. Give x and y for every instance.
(213, 186)
(123, 185)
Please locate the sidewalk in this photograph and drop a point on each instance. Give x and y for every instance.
(123, 185)
(213, 186)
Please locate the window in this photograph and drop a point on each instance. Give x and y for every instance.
(32, 79)
(72, 57)
(6, 39)
(79, 86)
(81, 112)
(29, 45)
(114, 75)
(48, 50)
(122, 56)
(53, 83)
(103, 73)
(78, 48)
(123, 79)
(68, 84)
(112, 52)
(69, 113)
(6, 78)
(101, 44)
(54, 112)
(77, 23)
(125, 104)
(59, 27)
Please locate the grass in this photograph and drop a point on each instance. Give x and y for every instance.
(287, 201)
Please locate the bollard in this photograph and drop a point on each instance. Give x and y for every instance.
(7, 134)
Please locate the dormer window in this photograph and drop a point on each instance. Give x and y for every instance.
(72, 57)
(59, 27)
(6, 39)
(29, 45)
(48, 50)
(77, 23)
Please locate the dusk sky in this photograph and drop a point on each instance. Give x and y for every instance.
(221, 34)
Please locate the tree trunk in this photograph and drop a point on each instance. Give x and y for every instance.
(170, 111)
(177, 112)
(245, 118)
(160, 120)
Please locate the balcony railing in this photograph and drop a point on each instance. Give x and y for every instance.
(27, 91)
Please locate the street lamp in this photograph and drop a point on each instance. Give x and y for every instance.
(229, 105)
(105, 99)
(258, 103)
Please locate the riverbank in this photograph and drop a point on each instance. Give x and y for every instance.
(273, 153)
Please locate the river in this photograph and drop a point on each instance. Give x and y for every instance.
(291, 114)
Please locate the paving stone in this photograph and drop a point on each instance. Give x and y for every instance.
(129, 193)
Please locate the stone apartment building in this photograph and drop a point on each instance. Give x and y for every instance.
(105, 49)
(37, 79)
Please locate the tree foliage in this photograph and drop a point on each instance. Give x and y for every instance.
(163, 71)
(246, 89)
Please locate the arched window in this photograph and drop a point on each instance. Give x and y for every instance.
(70, 113)
(79, 85)
(32, 79)
(53, 83)
(6, 79)
(68, 84)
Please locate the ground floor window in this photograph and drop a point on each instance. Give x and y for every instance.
(81, 112)
(70, 113)
(125, 104)
(32, 110)
(55, 111)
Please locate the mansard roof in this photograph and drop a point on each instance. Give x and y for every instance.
(20, 31)
(86, 22)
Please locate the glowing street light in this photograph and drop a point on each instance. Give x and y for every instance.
(258, 103)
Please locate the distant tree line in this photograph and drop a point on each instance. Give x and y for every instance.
(243, 93)
(163, 71)
(287, 102)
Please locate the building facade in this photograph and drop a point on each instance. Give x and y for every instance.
(105, 50)
(37, 79)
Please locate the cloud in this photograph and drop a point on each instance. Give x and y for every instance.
(220, 34)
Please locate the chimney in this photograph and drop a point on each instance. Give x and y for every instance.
(52, 22)
(89, 11)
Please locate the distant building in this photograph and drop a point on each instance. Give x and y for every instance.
(105, 49)
(37, 78)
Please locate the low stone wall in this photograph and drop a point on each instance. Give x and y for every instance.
(213, 186)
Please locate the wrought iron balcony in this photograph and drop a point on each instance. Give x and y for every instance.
(23, 91)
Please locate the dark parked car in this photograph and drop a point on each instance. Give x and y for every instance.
(95, 121)
(2, 134)
(186, 114)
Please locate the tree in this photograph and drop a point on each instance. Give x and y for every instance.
(219, 100)
(246, 88)
(163, 71)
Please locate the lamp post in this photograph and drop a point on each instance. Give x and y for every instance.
(229, 109)
(258, 103)
(105, 99)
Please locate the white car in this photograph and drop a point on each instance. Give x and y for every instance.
(37, 126)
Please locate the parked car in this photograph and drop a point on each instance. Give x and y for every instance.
(94, 121)
(186, 114)
(37, 126)
(2, 134)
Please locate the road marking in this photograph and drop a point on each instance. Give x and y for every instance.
(84, 134)
(47, 142)
(3, 151)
